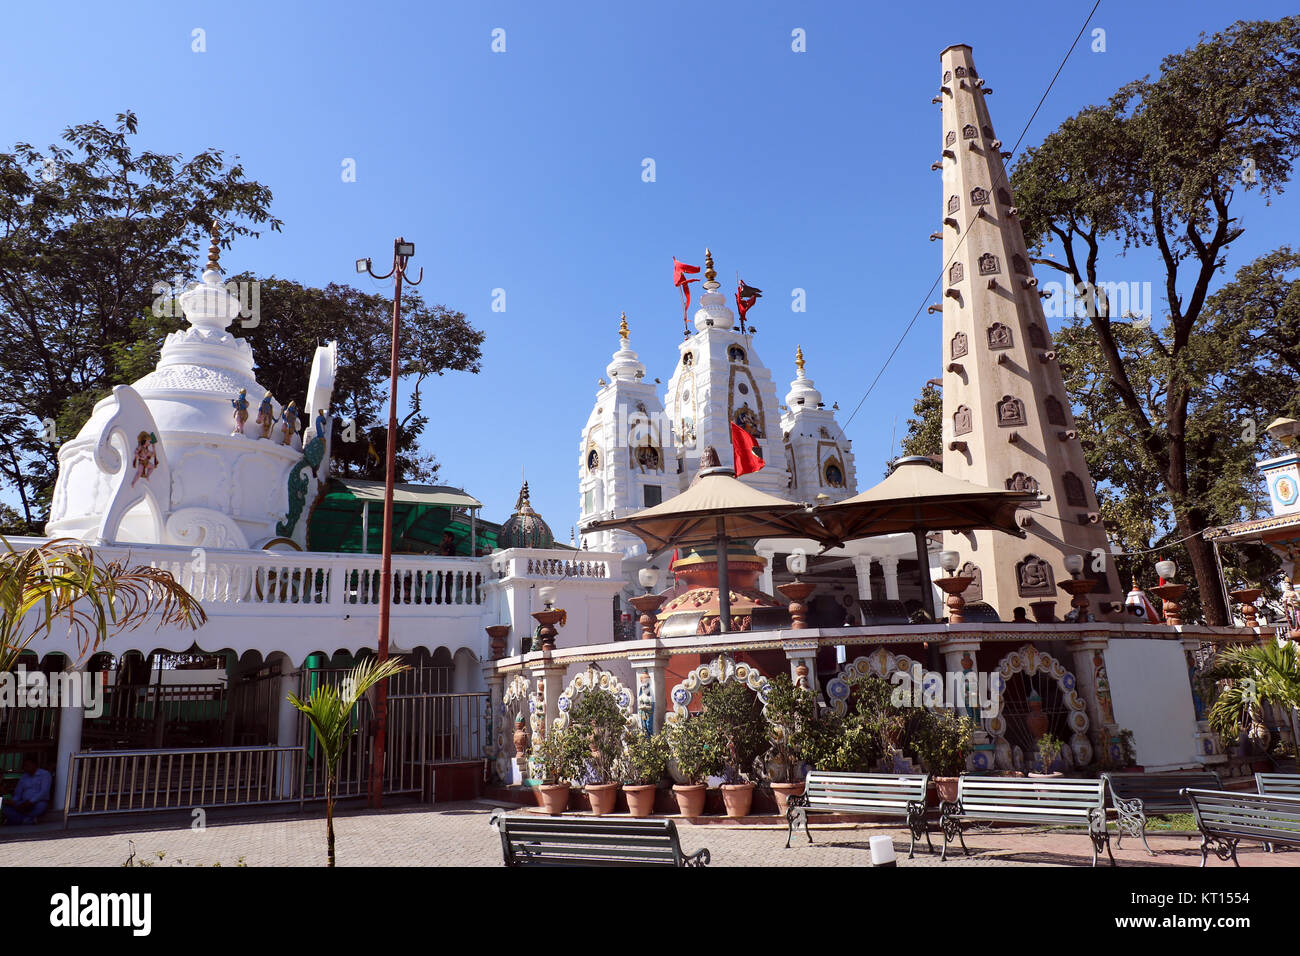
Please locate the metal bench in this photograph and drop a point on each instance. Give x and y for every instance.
(1226, 818)
(1278, 784)
(880, 794)
(1135, 795)
(528, 840)
(1027, 800)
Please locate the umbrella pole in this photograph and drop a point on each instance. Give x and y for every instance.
(724, 583)
(923, 563)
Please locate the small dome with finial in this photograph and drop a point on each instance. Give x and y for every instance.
(802, 394)
(525, 528)
(713, 311)
(626, 365)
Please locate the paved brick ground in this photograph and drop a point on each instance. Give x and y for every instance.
(458, 835)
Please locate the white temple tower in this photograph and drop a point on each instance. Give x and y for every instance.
(627, 460)
(817, 453)
(718, 380)
(1007, 418)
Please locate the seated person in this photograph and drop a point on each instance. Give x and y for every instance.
(31, 797)
(1019, 616)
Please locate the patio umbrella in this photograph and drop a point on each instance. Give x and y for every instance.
(918, 498)
(715, 509)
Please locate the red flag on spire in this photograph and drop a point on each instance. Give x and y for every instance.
(745, 452)
(680, 271)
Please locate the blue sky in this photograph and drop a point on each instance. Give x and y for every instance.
(522, 171)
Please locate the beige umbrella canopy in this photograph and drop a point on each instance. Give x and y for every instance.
(918, 498)
(715, 509)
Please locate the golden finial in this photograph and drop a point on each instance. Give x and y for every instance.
(709, 274)
(214, 250)
(622, 327)
(798, 358)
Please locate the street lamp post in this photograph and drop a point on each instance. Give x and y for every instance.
(402, 252)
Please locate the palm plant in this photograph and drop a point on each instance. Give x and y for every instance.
(329, 710)
(63, 578)
(1255, 675)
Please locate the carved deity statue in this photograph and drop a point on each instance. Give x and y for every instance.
(645, 704)
(266, 415)
(145, 458)
(241, 410)
(289, 423)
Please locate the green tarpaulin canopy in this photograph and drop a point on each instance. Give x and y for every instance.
(421, 514)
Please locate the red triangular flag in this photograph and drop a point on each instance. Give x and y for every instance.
(745, 451)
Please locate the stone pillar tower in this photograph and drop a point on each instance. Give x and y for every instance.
(1007, 420)
(719, 379)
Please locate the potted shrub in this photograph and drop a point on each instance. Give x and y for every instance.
(1049, 751)
(560, 757)
(734, 715)
(645, 760)
(791, 713)
(697, 755)
(942, 744)
(600, 723)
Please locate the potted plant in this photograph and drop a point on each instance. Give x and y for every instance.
(560, 756)
(733, 714)
(1049, 751)
(943, 743)
(645, 760)
(600, 723)
(697, 755)
(791, 713)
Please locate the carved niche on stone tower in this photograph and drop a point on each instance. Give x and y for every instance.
(956, 273)
(1034, 577)
(1054, 410)
(1000, 336)
(1022, 482)
(954, 203)
(1011, 412)
(1074, 495)
(969, 132)
(979, 196)
(950, 138)
(961, 420)
(989, 265)
(975, 590)
(959, 345)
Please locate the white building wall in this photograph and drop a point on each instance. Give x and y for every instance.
(1152, 698)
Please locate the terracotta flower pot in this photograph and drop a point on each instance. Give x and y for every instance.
(783, 792)
(640, 798)
(603, 796)
(553, 797)
(738, 798)
(690, 798)
(946, 788)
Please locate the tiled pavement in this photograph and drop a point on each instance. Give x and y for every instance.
(458, 834)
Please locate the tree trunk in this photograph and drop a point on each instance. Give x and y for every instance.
(1201, 553)
(329, 817)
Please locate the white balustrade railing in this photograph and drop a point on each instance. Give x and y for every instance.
(253, 581)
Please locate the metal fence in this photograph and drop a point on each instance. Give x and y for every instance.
(135, 781)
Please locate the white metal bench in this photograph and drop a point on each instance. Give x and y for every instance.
(1033, 800)
(528, 840)
(1226, 818)
(1278, 784)
(879, 794)
(1135, 795)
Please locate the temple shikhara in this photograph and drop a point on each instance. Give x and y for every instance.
(724, 533)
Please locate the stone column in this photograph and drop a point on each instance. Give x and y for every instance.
(655, 667)
(765, 579)
(495, 744)
(286, 731)
(803, 653)
(1088, 659)
(890, 566)
(72, 711)
(862, 567)
(958, 658)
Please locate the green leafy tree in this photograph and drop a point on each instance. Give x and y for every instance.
(330, 710)
(1158, 167)
(87, 229)
(600, 724)
(925, 430)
